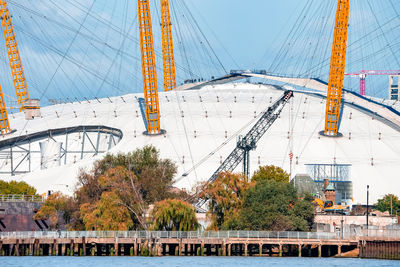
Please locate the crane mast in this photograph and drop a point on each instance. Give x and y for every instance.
(337, 68)
(148, 68)
(4, 123)
(14, 58)
(167, 47)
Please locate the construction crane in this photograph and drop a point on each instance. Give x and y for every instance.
(248, 142)
(364, 73)
(167, 48)
(149, 72)
(337, 68)
(18, 75)
(4, 123)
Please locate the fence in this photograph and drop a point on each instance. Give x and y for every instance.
(21, 198)
(203, 234)
(165, 234)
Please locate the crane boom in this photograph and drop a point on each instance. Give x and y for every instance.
(337, 68)
(21, 88)
(4, 123)
(148, 68)
(167, 48)
(249, 141)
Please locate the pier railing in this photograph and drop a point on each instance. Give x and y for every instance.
(21, 198)
(165, 234)
(202, 234)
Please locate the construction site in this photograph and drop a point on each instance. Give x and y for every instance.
(323, 120)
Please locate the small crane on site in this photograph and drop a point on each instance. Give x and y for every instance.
(246, 143)
(364, 73)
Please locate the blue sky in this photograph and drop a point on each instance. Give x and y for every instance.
(80, 48)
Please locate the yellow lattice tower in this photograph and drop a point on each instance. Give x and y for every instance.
(167, 47)
(14, 58)
(4, 123)
(149, 68)
(337, 68)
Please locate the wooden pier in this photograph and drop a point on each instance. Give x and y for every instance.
(174, 244)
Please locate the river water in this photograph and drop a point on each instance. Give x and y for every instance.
(188, 261)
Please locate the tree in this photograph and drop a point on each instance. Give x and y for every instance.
(225, 199)
(274, 206)
(174, 215)
(135, 180)
(270, 173)
(154, 175)
(16, 188)
(116, 193)
(383, 204)
(126, 187)
(106, 214)
(59, 209)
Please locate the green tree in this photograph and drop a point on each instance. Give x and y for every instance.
(16, 188)
(274, 206)
(56, 207)
(270, 173)
(225, 199)
(174, 215)
(383, 204)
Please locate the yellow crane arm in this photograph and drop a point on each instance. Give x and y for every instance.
(167, 47)
(14, 58)
(337, 68)
(148, 68)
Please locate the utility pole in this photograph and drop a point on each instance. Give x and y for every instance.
(367, 206)
(391, 205)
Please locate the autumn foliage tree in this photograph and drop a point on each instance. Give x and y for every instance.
(58, 209)
(174, 215)
(116, 193)
(106, 214)
(225, 199)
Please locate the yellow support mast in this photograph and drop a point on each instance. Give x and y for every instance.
(149, 68)
(337, 68)
(4, 123)
(167, 48)
(14, 58)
